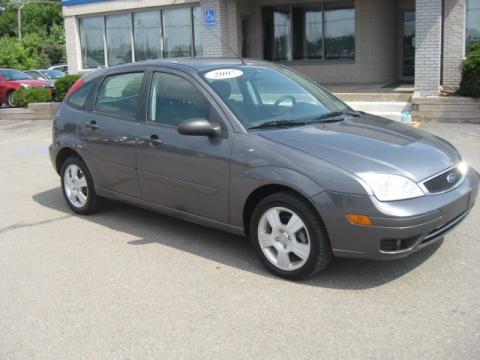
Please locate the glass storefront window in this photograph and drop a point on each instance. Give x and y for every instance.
(277, 33)
(177, 33)
(119, 45)
(147, 35)
(473, 23)
(320, 31)
(307, 33)
(91, 39)
(339, 31)
(197, 30)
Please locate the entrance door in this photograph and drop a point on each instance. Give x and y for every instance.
(408, 45)
(245, 37)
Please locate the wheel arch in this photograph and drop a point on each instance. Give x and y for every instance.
(63, 154)
(262, 192)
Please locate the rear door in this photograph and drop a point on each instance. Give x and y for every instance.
(187, 173)
(109, 131)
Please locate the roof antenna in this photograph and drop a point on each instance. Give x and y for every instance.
(219, 39)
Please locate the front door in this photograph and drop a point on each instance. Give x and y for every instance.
(187, 173)
(110, 132)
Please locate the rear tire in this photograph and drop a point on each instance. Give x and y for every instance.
(78, 188)
(289, 236)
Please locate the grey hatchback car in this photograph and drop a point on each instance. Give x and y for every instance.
(257, 149)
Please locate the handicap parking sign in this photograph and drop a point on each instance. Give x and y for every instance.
(211, 17)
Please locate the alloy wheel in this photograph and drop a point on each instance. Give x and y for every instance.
(283, 238)
(75, 185)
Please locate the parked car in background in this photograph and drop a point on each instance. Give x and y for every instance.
(259, 150)
(60, 67)
(45, 74)
(12, 80)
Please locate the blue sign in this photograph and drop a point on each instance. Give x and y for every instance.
(211, 17)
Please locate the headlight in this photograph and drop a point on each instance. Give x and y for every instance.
(24, 85)
(463, 167)
(388, 187)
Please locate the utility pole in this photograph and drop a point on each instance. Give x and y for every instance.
(19, 18)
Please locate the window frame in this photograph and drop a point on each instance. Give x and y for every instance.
(140, 105)
(290, 55)
(130, 14)
(224, 122)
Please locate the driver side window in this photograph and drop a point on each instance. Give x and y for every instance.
(174, 99)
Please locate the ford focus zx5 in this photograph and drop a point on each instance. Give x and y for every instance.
(257, 149)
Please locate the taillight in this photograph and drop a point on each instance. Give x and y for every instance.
(78, 84)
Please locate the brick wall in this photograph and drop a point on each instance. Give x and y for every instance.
(221, 39)
(453, 42)
(428, 46)
(72, 40)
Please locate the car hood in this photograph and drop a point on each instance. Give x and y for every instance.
(31, 82)
(371, 144)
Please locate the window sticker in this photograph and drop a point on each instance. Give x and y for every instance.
(223, 74)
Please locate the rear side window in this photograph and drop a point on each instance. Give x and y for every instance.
(119, 95)
(79, 98)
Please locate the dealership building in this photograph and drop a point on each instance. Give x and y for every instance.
(333, 41)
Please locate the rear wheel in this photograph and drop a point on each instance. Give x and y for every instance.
(78, 188)
(10, 99)
(289, 236)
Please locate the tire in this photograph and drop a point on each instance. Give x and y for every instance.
(305, 242)
(77, 187)
(9, 101)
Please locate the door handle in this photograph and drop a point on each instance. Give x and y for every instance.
(154, 139)
(92, 125)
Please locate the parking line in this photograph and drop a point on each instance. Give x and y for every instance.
(11, 125)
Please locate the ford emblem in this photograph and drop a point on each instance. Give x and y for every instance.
(451, 178)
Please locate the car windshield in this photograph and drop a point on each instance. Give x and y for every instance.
(53, 74)
(14, 75)
(272, 96)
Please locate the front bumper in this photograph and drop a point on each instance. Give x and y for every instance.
(399, 227)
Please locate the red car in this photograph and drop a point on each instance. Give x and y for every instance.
(11, 80)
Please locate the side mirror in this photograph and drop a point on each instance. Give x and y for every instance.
(2, 79)
(199, 127)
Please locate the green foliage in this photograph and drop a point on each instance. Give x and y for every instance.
(64, 84)
(43, 39)
(24, 96)
(13, 54)
(470, 84)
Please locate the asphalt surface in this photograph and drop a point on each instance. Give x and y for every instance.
(131, 284)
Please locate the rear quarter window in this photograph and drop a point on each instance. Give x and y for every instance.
(79, 98)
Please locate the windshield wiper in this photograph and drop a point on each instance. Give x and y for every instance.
(334, 116)
(277, 123)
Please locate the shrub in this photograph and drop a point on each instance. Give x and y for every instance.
(24, 96)
(64, 84)
(470, 84)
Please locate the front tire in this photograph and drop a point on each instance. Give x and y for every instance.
(289, 236)
(77, 187)
(10, 100)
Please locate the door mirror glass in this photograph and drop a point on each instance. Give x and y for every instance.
(199, 127)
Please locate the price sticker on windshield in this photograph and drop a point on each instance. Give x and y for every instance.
(221, 74)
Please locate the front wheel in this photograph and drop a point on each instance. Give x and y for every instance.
(78, 188)
(289, 236)
(10, 99)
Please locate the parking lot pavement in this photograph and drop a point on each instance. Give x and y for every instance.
(128, 283)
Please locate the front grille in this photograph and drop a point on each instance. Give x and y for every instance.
(445, 181)
(388, 245)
